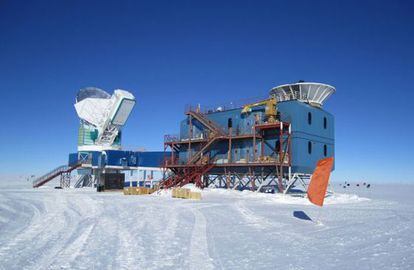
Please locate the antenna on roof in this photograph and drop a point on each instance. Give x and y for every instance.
(312, 93)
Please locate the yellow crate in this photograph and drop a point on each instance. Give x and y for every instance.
(195, 195)
(174, 193)
(182, 193)
(137, 191)
(186, 193)
(178, 193)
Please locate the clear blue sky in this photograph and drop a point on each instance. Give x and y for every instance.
(177, 52)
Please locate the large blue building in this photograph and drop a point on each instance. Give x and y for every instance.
(278, 140)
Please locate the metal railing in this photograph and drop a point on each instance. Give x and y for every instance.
(50, 175)
(224, 106)
(171, 138)
(54, 173)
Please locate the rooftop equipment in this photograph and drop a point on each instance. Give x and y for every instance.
(313, 93)
(270, 108)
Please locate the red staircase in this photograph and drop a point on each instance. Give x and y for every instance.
(186, 176)
(207, 122)
(40, 181)
(216, 132)
(195, 167)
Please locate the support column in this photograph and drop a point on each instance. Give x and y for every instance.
(190, 135)
(280, 176)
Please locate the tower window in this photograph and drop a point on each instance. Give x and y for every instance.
(309, 118)
(325, 150)
(309, 147)
(325, 122)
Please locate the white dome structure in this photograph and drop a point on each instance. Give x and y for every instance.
(309, 92)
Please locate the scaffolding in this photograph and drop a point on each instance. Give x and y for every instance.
(202, 169)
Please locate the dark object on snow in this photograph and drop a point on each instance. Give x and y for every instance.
(301, 215)
(58, 187)
(368, 185)
(348, 184)
(357, 185)
(268, 189)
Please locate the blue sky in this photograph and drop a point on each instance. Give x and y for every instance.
(173, 53)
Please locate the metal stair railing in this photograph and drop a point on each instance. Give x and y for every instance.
(53, 174)
(206, 122)
(194, 172)
(197, 155)
(181, 180)
(216, 133)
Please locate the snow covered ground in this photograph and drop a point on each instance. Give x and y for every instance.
(81, 229)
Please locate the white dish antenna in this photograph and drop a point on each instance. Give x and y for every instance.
(107, 113)
(92, 105)
(313, 93)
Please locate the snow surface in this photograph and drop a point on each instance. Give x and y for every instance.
(359, 228)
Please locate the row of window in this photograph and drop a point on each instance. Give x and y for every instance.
(325, 149)
(325, 121)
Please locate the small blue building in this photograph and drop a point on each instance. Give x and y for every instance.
(278, 139)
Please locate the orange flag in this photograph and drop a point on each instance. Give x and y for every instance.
(319, 181)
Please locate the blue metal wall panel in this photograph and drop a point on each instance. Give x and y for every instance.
(294, 112)
(121, 158)
(152, 159)
(96, 158)
(73, 159)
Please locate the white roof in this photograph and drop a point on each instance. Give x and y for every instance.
(313, 93)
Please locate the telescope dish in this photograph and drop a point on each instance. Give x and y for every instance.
(91, 92)
(313, 93)
(102, 116)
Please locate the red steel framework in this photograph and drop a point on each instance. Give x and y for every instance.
(203, 171)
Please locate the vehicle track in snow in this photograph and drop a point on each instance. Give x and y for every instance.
(43, 228)
(81, 229)
(199, 257)
(52, 229)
